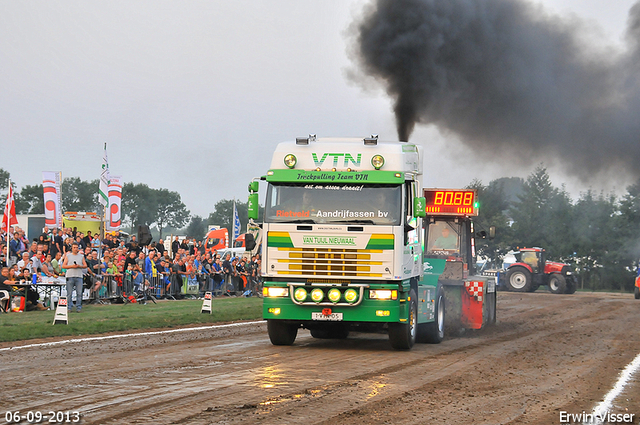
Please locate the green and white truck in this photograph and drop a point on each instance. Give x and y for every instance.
(343, 242)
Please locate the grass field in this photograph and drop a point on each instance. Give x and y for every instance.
(96, 318)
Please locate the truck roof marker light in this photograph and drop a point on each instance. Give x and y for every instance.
(318, 169)
(377, 161)
(302, 140)
(371, 141)
(334, 169)
(290, 160)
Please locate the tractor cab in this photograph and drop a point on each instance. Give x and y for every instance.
(534, 258)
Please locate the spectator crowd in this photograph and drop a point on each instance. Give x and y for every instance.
(113, 267)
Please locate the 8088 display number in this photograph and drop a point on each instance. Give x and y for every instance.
(39, 417)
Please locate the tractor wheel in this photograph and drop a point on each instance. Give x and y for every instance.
(330, 332)
(281, 333)
(403, 335)
(518, 279)
(557, 284)
(433, 333)
(636, 293)
(571, 285)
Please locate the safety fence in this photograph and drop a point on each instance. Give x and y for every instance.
(108, 288)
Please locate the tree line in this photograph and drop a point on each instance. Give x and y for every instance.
(598, 234)
(161, 209)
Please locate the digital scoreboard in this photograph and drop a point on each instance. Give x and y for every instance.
(451, 202)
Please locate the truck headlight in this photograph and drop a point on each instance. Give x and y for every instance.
(383, 294)
(300, 294)
(317, 295)
(334, 295)
(275, 291)
(350, 295)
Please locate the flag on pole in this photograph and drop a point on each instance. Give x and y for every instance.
(9, 218)
(103, 190)
(236, 222)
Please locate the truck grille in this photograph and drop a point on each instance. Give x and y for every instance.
(333, 262)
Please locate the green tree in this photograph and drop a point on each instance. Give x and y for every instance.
(4, 180)
(542, 215)
(139, 205)
(197, 228)
(492, 211)
(170, 210)
(223, 215)
(30, 200)
(80, 195)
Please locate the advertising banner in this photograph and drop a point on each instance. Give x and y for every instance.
(51, 181)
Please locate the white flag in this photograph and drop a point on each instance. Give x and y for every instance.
(103, 190)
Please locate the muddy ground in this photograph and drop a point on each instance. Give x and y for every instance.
(546, 354)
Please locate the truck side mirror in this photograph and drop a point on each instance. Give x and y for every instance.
(253, 206)
(254, 186)
(419, 204)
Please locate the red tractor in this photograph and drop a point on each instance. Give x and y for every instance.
(531, 270)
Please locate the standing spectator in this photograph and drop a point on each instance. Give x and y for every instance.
(74, 263)
(131, 259)
(160, 248)
(56, 264)
(227, 273)
(140, 261)
(175, 246)
(150, 266)
(133, 245)
(14, 249)
(56, 242)
(96, 244)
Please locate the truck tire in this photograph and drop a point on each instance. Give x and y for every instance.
(433, 333)
(330, 332)
(403, 335)
(281, 333)
(571, 285)
(518, 279)
(636, 293)
(494, 308)
(557, 284)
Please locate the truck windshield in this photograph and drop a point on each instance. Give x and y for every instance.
(333, 203)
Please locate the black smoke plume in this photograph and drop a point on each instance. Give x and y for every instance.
(506, 77)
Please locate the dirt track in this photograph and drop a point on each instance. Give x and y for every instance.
(547, 353)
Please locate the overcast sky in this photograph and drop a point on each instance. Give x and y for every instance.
(193, 96)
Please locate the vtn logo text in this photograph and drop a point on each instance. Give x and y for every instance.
(347, 157)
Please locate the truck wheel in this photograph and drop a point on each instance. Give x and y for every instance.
(330, 332)
(281, 333)
(403, 335)
(557, 284)
(518, 279)
(636, 293)
(571, 285)
(494, 309)
(433, 333)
